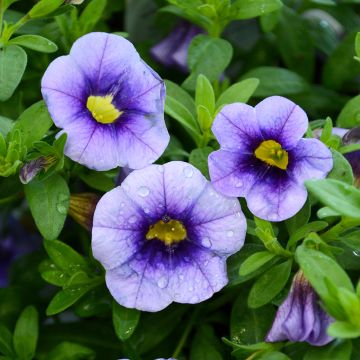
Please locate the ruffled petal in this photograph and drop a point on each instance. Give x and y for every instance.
(281, 120)
(232, 173)
(310, 159)
(275, 197)
(236, 128)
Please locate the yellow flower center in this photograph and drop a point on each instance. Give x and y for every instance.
(169, 232)
(273, 154)
(102, 109)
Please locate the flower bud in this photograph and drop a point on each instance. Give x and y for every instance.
(30, 169)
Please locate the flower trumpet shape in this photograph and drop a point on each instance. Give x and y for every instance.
(109, 102)
(164, 235)
(300, 317)
(264, 158)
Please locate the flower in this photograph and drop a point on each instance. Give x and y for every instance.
(263, 157)
(109, 102)
(300, 317)
(30, 169)
(82, 207)
(164, 235)
(172, 51)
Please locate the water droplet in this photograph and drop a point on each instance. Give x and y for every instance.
(188, 172)
(162, 282)
(186, 258)
(206, 242)
(191, 288)
(181, 277)
(143, 191)
(122, 205)
(356, 253)
(146, 210)
(160, 169)
(61, 209)
(132, 219)
(230, 233)
(206, 262)
(239, 184)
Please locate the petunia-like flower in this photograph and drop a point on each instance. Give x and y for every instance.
(109, 102)
(264, 158)
(164, 235)
(173, 50)
(300, 317)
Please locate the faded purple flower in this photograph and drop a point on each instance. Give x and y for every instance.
(164, 235)
(172, 51)
(109, 102)
(263, 157)
(300, 317)
(30, 169)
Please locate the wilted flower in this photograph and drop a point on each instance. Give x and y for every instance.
(164, 235)
(172, 51)
(109, 102)
(30, 169)
(82, 207)
(263, 157)
(300, 317)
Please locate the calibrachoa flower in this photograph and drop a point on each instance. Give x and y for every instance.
(164, 235)
(109, 102)
(172, 51)
(300, 317)
(263, 157)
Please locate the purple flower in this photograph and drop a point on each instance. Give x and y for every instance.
(263, 157)
(109, 102)
(300, 317)
(172, 51)
(164, 235)
(30, 169)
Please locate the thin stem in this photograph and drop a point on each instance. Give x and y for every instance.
(186, 333)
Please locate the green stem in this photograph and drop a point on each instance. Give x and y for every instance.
(186, 333)
(1, 15)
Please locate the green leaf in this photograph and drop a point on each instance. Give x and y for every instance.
(268, 285)
(179, 112)
(65, 257)
(300, 219)
(276, 81)
(341, 170)
(6, 341)
(255, 261)
(341, 65)
(204, 94)
(65, 298)
(174, 91)
(305, 230)
(343, 330)
(317, 267)
(26, 333)
(239, 92)
(13, 60)
(250, 326)
(350, 114)
(204, 345)
(34, 42)
(274, 355)
(48, 201)
(247, 9)
(199, 158)
(70, 351)
(44, 7)
(5, 125)
(335, 350)
(91, 15)
(55, 277)
(357, 44)
(31, 130)
(343, 198)
(208, 56)
(295, 44)
(124, 320)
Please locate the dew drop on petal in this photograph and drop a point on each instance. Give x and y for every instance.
(181, 277)
(186, 258)
(143, 191)
(162, 282)
(191, 288)
(188, 172)
(239, 184)
(230, 233)
(160, 169)
(206, 242)
(194, 299)
(132, 219)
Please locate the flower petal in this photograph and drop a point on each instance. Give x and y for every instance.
(236, 128)
(232, 173)
(281, 120)
(310, 159)
(275, 197)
